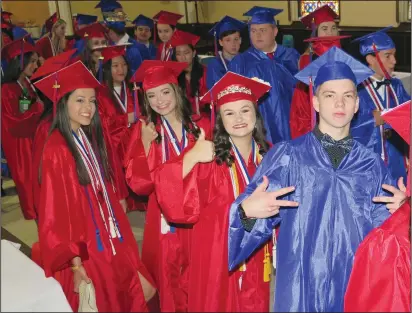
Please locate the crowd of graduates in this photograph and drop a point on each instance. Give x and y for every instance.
(261, 160)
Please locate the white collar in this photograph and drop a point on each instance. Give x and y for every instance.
(274, 48)
(123, 40)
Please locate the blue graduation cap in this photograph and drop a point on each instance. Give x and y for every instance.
(142, 20)
(379, 39)
(119, 25)
(262, 15)
(333, 65)
(108, 5)
(225, 24)
(85, 19)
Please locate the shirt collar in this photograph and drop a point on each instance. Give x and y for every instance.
(123, 40)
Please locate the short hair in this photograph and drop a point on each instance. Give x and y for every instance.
(228, 33)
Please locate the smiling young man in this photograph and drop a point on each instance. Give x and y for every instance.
(143, 32)
(335, 180)
(378, 93)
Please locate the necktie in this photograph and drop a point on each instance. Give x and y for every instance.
(271, 55)
(386, 82)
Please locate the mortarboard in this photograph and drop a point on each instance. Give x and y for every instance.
(6, 20)
(85, 19)
(142, 20)
(155, 73)
(65, 80)
(262, 15)
(379, 39)
(320, 15)
(400, 119)
(111, 52)
(119, 25)
(183, 38)
(225, 24)
(17, 48)
(51, 21)
(54, 64)
(322, 44)
(108, 5)
(165, 17)
(95, 30)
(333, 65)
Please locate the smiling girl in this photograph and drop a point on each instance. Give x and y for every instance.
(21, 110)
(166, 24)
(84, 234)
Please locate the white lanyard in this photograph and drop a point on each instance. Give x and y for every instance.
(119, 98)
(223, 60)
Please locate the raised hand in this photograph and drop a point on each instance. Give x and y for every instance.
(204, 150)
(399, 196)
(263, 204)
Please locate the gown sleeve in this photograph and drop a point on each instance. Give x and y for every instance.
(242, 244)
(138, 174)
(300, 112)
(215, 71)
(60, 228)
(19, 124)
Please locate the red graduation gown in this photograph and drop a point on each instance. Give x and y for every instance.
(44, 48)
(164, 255)
(203, 200)
(66, 230)
(380, 279)
(159, 52)
(17, 130)
(197, 105)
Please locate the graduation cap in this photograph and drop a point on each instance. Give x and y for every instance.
(6, 16)
(400, 119)
(51, 21)
(225, 24)
(111, 52)
(54, 64)
(377, 41)
(180, 37)
(322, 44)
(65, 80)
(154, 73)
(108, 5)
(320, 15)
(142, 20)
(262, 15)
(85, 19)
(335, 64)
(16, 48)
(165, 17)
(95, 30)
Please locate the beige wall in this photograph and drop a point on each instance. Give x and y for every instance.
(368, 13)
(24, 11)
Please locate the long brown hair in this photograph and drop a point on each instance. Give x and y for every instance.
(183, 109)
(223, 145)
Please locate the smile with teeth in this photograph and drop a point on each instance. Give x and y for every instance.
(239, 126)
(88, 115)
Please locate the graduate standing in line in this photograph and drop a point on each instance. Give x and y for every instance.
(143, 32)
(378, 93)
(21, 110)
(260, 61)
(165, 26)
(381, 276)
(193, 79)
(166, 130)
(203, 193)
(332, 180)
(84, 234)
(227, 33)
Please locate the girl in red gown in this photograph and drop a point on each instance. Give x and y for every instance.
(165, 132)
(203, 196)
(165, 23)
(21, 110)
(193, 79)
(84, 234)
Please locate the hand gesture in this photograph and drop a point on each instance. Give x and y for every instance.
(203, 150)
(263, 204)
(399, 196)
(149, 134)
(79, 275)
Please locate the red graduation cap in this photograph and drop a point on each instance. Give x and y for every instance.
(320, 15)
(54, 64)
(17, 47)
(155, 73)
(165, 17)
(6, 16)
(65, 80)
(95, 30)
(183, 38)
(111, 52)
(322, 44)
(51, 21)
(400, 120)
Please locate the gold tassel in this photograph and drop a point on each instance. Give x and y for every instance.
(242, 268)
(267, 269)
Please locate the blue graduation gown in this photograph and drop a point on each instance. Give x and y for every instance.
(133, 55)
(363, 129)
(274, 107)
(317, 240)
(148, 53)
(288, 57)
(215, 71)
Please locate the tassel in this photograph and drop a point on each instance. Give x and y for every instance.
(22, 55)
(313, 115)
(215, 42)
(119, 235)
(56, 87)
(267, 270)
(113, 233)
(242, 268)
(135, 89)
(100, 70)
(99, 241)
